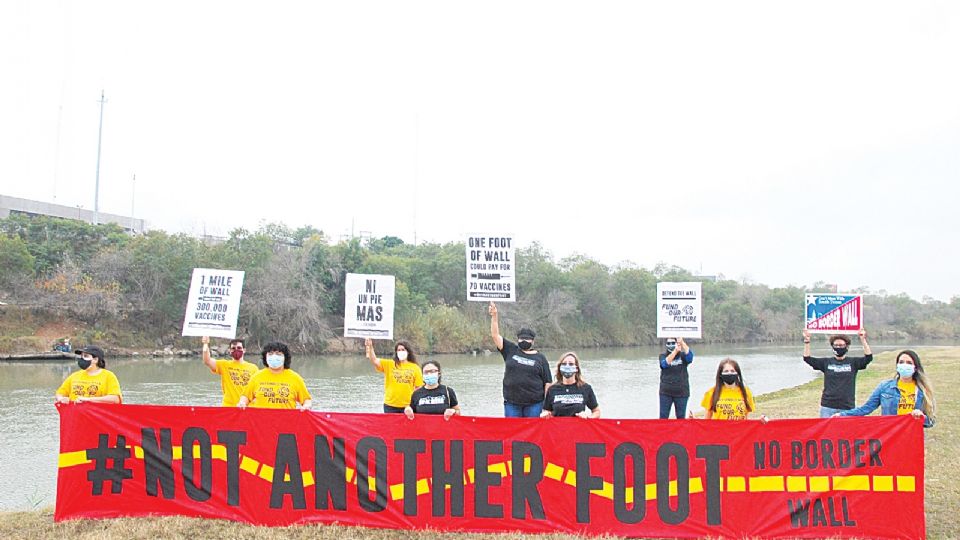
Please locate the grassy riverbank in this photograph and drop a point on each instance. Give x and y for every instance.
(942, 467)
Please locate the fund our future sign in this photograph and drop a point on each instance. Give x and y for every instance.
(491, 268)
(213, 304)
(834, 313)
(679, 310)
(368, 307)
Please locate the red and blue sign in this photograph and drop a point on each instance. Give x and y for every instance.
(834, 313)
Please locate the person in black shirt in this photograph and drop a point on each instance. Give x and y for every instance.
(571, 396)
(839, 372)
(674, 379)
(526, 372)
(433, 397)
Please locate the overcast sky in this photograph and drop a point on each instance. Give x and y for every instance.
(784, 143)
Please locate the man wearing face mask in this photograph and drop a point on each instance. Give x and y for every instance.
(93, 383)
(526, 372)
(839, 372)
(234, 373)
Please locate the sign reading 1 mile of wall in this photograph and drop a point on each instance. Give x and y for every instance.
(491, 268)
(368, 306)
(679, 310)
(834, 313)
(213, 304)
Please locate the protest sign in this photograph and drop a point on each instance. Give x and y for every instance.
(491, 268)
(834, 313)
(807, 478)
(213, 303)
(368, 306)
(679, 312)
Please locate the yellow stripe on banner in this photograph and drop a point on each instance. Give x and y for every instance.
(350, 474)
(696, 485)
(766, 483)
(70, 459)
(219, 451)
(307, 478)
(138, 452)
(651, 492)
(628, 495)
(854, 482)
(606, 491)
(819, 484)
(372, 483)
(796, 483)
(527, 463)
(883, 483)
(423, 486)
(266, 472)
(571, 479)
(249, 465)
(177, 452)
(509, 467)
(471, 473)
(673, 488)
(736, 484)
(396, 492)
(498, 468)
(906, 483)
(553, 472)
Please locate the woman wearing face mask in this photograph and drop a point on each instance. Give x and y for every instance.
(93, 383)
(526, 372)
(276, 386)
(433, 397)
(729, 399)
(839, 372)
(570, 396)
(674, 379)
(908, 392)
(401, 375)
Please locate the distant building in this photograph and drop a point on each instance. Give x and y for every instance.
(15, 205)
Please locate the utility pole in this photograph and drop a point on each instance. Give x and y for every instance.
(96, 189)
(133, 200)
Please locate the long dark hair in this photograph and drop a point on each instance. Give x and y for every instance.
(718, 386)
(411, 356)
(929, 406)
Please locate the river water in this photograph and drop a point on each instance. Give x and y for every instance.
(625, 381)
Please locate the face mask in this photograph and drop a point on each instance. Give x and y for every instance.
(525, 345)
(568, 371)
(671, 347)
(401, 355)
(729, 378)
(84, 363)
(841, 351)
(237, 354)
(275, 361)
(431, 379)
(905, 370)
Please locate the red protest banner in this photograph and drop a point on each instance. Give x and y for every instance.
(690, 478)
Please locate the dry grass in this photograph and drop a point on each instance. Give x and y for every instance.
(942, 490)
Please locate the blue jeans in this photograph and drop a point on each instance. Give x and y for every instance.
(679, 404)
(827, 412)
(513, 410)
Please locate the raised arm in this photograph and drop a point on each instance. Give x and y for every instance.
(205, 354)
(806, 343)
(687, 356)
(863, 341)
(368, 345)
(495, 326)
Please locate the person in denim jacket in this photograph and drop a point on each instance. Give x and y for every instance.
(908, 392)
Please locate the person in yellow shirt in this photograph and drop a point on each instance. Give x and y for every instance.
(908, 392)
(729, 399)
(277, 386)
(401, 375)
(234, 373)
(93, 383)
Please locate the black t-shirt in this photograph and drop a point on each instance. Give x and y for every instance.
(435, 401)
(839, 379)
(674, 379)
(524, 375)
(569, 399)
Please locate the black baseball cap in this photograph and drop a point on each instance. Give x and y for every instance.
(526, 333)
(92, 350)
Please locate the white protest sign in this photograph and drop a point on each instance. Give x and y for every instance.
(491, 268)
(213, 304)
(368, 306)
(679, 310)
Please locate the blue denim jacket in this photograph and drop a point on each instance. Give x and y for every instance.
(887, 397)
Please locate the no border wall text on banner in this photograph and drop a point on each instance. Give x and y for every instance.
(368, 306)
(679, 310)
(213, 304)
(491, 268)
(834, 313)
(787, 478)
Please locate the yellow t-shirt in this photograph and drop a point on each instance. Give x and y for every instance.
(908, 396)
(399, 382)
(269, 390)
(234, 376)
(82, 384)
(730, 406)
